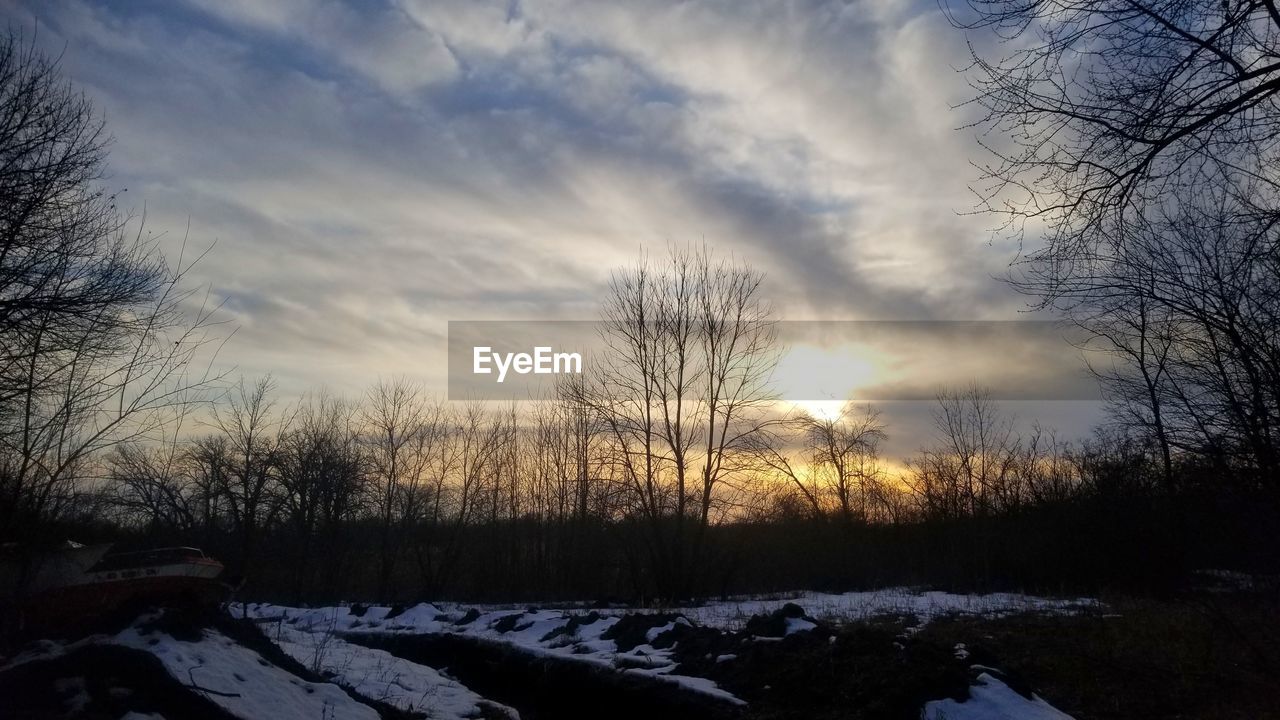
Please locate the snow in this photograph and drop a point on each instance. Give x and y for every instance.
(991, 699)
(248, 686)
(577, 635)
(379, 675)
(1225, 581)
(543, 633)
(654, 632)
(733, 614)
(241, 681)
(795, 625)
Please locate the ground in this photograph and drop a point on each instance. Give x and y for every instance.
(890, 654)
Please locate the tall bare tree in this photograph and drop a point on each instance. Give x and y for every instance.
(974, 470)
(402, 432)
(323, 481)
(251, 432)
(681, 391)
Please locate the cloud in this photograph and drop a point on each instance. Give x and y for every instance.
(372, 170)
(384, 44)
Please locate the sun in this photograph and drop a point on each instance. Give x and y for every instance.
(827, 410)
(820, 380)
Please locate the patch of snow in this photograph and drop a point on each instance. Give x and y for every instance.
(991, 699)
(240, 681)
(653, 632)
(700, 685)
(379, 675)
(795, 625)
(415, 616)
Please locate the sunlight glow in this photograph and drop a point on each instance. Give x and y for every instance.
(820, 380)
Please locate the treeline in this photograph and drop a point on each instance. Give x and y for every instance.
(401, 496)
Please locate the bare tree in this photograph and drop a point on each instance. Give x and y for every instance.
(1114, 107)
(460, 471)
(251, 433)
(835, 465)
(98, 336)
(1187, 319)
(63, 260)
(323, 480)
(402, 433)
(975, 469)
(151, 482)
(682, 391)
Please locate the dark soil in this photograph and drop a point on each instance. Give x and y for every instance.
(471, 616)
(507, 623)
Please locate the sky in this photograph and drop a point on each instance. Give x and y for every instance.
(367, 172)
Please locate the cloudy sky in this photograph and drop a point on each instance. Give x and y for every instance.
(372, 170)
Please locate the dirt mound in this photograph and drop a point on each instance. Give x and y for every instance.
(780, 622)
(570, 629)
(633, 630)
(471, 616)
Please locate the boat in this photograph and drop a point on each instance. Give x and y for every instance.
(74, 582)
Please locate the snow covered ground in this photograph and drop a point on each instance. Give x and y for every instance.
(241, 681)
(549, 633)
(249, 686)
(578, 634)
(379, 675)
(848, 607)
